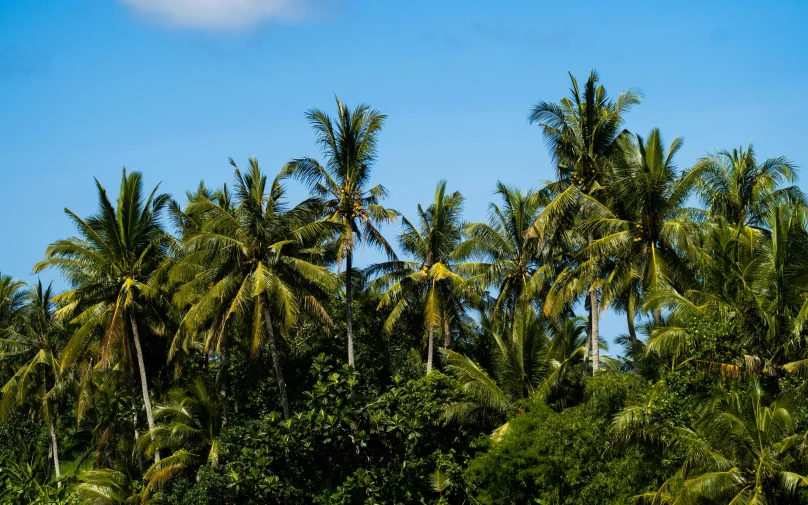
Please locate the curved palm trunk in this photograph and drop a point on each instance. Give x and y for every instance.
(348, 301)
(144, 385)
(132, 388)
(586, 344)
(429, 349)
(276, 362)
(55, 447)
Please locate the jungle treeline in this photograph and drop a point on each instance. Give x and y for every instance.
(224, 347)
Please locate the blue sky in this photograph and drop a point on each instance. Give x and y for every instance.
(88, 87)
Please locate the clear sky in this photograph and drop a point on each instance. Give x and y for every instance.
(90, 86)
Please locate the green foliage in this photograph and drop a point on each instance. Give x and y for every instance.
(228, 324)
(567, 457)
(347, 445)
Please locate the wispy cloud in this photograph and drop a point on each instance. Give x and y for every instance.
(223, 14)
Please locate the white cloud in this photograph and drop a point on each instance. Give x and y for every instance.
(220, 14)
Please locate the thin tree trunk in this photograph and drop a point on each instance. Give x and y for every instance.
(632, 332)
(144, 385)
(447, 336)
(429, 349)
(593, 312)
(348, 301)
(55, 446)
(223, 375)
(586, 343)
(595, 342)
(657, 316)
(132, 388)
(276, 362)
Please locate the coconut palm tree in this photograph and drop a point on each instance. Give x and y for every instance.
(644, 233)
(106, 486)
(192, 420)
(246, 263)
(743, 448)
(736, 188)
(429, 281)
(530, 357)
(581, 132)
(509, 260)
(763, 290)
(349, 145)
(34, 349)
(108, 266)
(12, 299)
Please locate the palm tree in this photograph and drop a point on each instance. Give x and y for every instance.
(34, 349)
(106, 486)
(108, 266)
(645, 233)
(763, 290)
(193, 419)
(349, 145)
(738, 189)
(530, 357)
(12, 299)
(509, 259)
(581, 133)
(429, 281)
(742, 449)
(247, 263)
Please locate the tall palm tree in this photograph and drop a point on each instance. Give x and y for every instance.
(581, 132)
(246, 263)
(644, 230)
(429, 281)
(349, 145)
(34, 349)
(108, 266)
(510, 260)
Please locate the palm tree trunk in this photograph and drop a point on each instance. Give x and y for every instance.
(55, 447)
(447, 336)
(222, 376)
(144, 385)
(348, 300)
(632, 332)
(594, 341)
(586, 343)
(593, 313)
(132, 388)
(276, 362)
(429, 349)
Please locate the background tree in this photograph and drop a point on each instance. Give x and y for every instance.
(581, 133)
(248, 263)
(349, 144)
(33, 349)
(109, 266)
(428, 282)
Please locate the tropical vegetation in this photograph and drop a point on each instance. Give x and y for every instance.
(233, 346)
